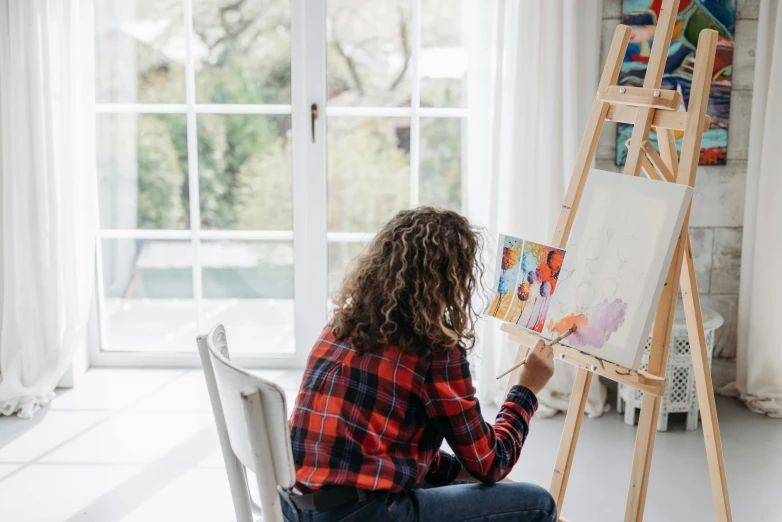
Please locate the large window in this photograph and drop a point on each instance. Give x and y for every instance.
(247, 149)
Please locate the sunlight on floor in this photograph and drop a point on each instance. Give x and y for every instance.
(124, 446)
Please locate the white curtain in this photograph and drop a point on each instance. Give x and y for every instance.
(534, 71)
(48, 194)
(759, 354)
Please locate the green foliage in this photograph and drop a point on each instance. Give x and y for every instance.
(244, 161)
(368, 172)
(441, 163)
(161, 174)
(264, 194)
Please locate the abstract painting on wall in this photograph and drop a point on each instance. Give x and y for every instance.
(692, 18)
(524, 281)
(620, 248)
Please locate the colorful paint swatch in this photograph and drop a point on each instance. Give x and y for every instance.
(693, 17)
(524, 281)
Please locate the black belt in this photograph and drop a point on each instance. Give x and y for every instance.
(331, 498)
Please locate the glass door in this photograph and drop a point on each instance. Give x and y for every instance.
(246, 152)
(396, 77)
(198, 224)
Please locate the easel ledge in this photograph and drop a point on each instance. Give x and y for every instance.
(648, 383)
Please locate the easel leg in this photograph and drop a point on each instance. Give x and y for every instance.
(700, 362)
(650, 406)
(642, 458)
(578, 398)
(567, 445)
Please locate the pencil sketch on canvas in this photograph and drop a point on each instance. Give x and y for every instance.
(619, 250)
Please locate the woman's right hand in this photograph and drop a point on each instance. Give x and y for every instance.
(538, 369)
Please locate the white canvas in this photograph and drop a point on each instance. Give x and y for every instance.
(620, 248)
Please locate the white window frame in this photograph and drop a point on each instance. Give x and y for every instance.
(309, 235)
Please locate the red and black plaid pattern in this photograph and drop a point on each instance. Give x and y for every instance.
(377, 421)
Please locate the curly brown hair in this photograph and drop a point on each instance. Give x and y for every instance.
(413, 285)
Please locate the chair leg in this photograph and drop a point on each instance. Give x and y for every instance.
(620, 404)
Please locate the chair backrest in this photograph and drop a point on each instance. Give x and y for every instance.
(252, 423)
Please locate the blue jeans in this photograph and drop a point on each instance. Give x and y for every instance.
(500, 502)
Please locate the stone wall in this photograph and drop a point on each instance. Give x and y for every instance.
(718, 207)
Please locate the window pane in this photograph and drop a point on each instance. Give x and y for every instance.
(139, 51)
(440, 174)
(244, 169)
(368, 171)
(340, 257)
(148, 291)
(243, 51)
(443, 62)
(142, 171)
(248, 287)
(368, 53)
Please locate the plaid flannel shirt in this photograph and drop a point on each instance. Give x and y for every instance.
(377, 421)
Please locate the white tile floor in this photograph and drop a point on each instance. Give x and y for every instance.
(139, 446)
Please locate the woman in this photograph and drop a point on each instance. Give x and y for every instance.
(388, 380)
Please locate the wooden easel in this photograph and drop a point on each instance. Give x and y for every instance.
(645, 107)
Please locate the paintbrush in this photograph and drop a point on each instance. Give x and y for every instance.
(555, 341)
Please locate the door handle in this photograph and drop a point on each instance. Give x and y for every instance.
(313, 117)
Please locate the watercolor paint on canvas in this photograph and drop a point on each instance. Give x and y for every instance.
(692, 18)
(524, 281)
(620, 247)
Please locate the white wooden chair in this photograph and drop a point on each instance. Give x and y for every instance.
(252, 423)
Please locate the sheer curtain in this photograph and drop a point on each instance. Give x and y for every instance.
(534, 70)
(759, 355)
(48, 194)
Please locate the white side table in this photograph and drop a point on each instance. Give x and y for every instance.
(680, 393)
